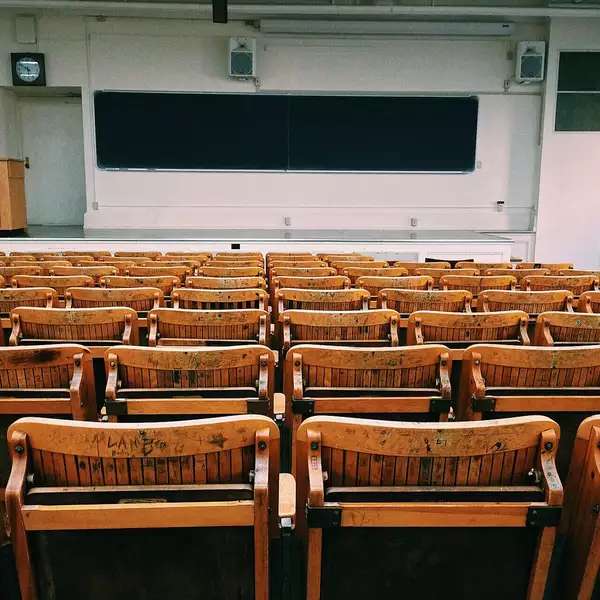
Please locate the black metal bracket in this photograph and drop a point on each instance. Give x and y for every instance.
(116, 408)
(323, 517)
(304, 407)
(439, 405)
(543, 516)
(486, 404)
(257, 407)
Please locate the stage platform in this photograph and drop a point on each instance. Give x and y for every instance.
(387, 243)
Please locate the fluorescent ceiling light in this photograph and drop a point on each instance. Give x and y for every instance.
(311, 27)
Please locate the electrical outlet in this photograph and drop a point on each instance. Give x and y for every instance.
(287, 221)
(414, 221)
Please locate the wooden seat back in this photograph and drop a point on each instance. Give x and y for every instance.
(571, 272)
(359, 328)
(181, 327)
(45, 267)
(221, 262)
(89, 326)
(437, 274)
(95, 272)
(117, 260)
(346, 299)
(403, 383)
(165, 283)
(143, 488)
(530, 302)
(181, 272)
(580, 522)
(60, 283)
(589, 302)
(12, 297)
(409, 282)
(92, 253)
(413, 266)
(353, 273)
(220, 299)
(476, 284)
(199, 381)
(349, 256)
(182, 262)
(279, 271)
(461, 329)
(334, 282)
(342, 265)
(225, 283)
(7, 273)
(51, 380)
(121, 265)
(396, 489)
(192, 254)
(231, 272)
(152, 254)
(562, 328)
(576, 284)
(409, 301)
(482, 266)
(519, 274)
(139, 299)
(553, 267)
(503, 381)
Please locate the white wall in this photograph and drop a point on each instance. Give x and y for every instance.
(569, 203)
(9, 131)
(178, 55)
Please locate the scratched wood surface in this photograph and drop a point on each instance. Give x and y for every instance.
(529, 302)
(482, 266)
(446, 327)
(279, 271)
(553, 328)
(60, 283)
(140, 253)
(231, 272)
(41, 296)
(437, 274)
(96, 272)
(413, 266)
(589, 302)
(7, 273)
(554, 267)
(344, 299)
(165, 283)
(335, 282)
(576, 284)
(409, 301)
(475, 284)
(180, 272)
(408, 282)
(353, 273)
(225, 283)
(212, 299)
(139, 299)
(196, 327)
(519, 274)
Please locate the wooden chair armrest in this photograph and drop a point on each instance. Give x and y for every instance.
(287, 496)
(278, 403)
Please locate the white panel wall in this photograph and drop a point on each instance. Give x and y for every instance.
(10, 146)
(569, 205)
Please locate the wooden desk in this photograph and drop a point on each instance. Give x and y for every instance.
(13, 214)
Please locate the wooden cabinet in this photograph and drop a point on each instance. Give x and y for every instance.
(12, 194)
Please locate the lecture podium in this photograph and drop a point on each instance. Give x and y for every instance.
(13, 213)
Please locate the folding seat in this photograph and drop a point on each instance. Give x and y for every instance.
(165, 283)
(475, 284)
(60, 283)
(532, 303)
(213, 299)
(12, 297)
(139, 299)
(408, 282)
(409, 301)
(437, 274)
(225, 283)
(570, 329)
(577, 284)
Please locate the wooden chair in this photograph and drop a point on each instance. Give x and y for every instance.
(571, 272)
(75, 258)
(410, 384)
(518, 274)
(146, 383)
(342, 265)
(93, 253)
(577, 285)
(139, 299)
(213, 262)
(180, 272)
(170, 257)
(45, 267)
(532, 303)
(409, 301)
(459, 330)
(561, 328)
(181, 327)
(393, 509)
(589, 302)
(409, 282)
(553, 267)
(413, 266)
(240, 255)
(60, 283)
(302, 271)
(231, 272)
(27, 253)
(121, 266)
(7, 273)
(334, 282)
(353, 273)
(94, 272)
(482, 266)
(193, 265)
(580, 521)
(477, 284)
(290, 256)
(151, 510)
(165, 283)
(12, 297)
(348, 256)
(193, 253)
(88, 326)
(299, 263)
(346, 299)
(53, 380)
(353, 327)
(220, 299)
(437, 274)
(225, 283)
(139, 254)
(505, 381)
(117, 260)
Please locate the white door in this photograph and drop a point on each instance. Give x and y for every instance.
(52, 136)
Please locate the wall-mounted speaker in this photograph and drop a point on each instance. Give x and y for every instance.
(242, 58)
(530, 62)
